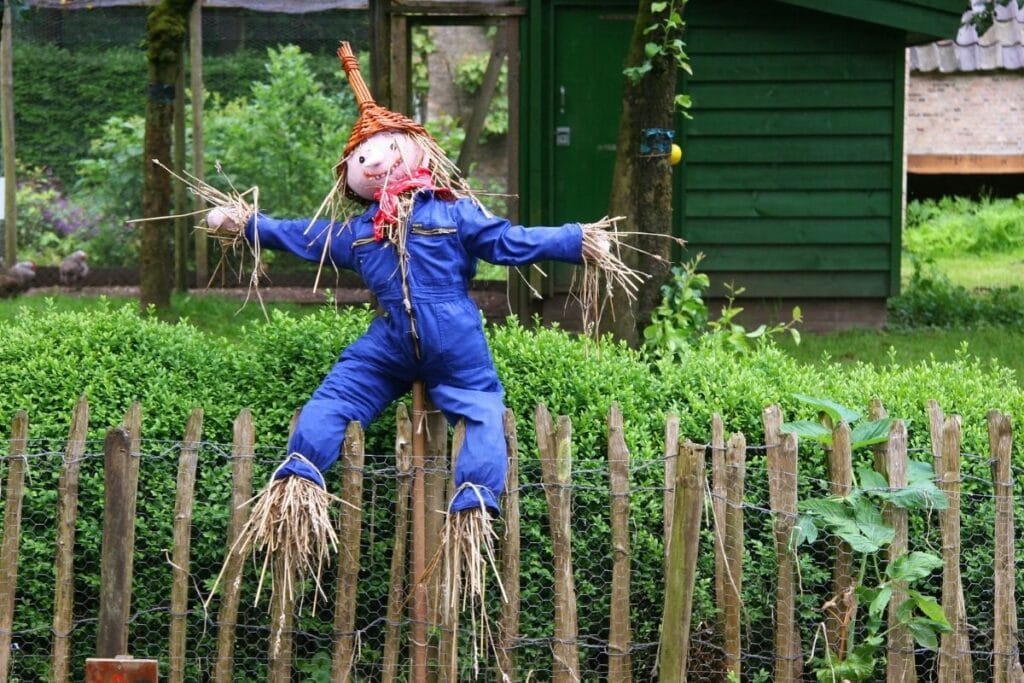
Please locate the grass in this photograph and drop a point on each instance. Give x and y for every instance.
(978, 271)
(879, 347)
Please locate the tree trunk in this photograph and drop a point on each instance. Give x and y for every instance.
(7, 123)
(165, 33)
(642, 184)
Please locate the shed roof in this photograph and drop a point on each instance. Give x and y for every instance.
(922, 20)
(1000, 47)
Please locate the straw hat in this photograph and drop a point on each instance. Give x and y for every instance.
(373, 118)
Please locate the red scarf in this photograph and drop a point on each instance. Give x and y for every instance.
(387, 198)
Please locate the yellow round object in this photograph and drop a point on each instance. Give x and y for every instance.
(676, 156)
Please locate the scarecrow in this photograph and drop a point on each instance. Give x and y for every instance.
(415, 245)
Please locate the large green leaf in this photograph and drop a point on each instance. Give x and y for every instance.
(807, 429)
(880, 601)
(838, 413)
(913, 566)
(871, 433)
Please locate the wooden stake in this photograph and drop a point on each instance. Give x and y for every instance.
(349, 532)
(840, 466)
(782, 471)
(718, 476)
(67, 516)
(736, 454)
(242, 453)
(900, 649)
(671, 460)
(619, 661)
(396, 587)
(16, 464)
(954, 648)
(510, 560)
(418, 628)
(682, 575)
(183, 544)
(115, 560)
(555, 447)
(1005, 646)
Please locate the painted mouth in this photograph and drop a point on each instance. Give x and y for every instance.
(385, 174)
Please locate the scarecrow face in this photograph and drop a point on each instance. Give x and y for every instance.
(382, 159)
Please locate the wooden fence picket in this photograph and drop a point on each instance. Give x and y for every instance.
(554, 444)
(718, 487)
(954, 648)
(671, 460)
(349, 531)
(181, 554)
(16, 465)
(900, 652)
(116, 553)
(396, 584)
(782, 485)
(732, 607)
(510, 557)
(840, 469)
(619, 660)
(243, 451)
(67, 517)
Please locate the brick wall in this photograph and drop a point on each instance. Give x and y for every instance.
(965, 113)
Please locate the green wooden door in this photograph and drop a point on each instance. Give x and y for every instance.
(589, 48)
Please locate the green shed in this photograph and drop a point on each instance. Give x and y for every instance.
(792, 177)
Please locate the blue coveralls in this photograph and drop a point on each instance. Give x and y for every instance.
(446, 237)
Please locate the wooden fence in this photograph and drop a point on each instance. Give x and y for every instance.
(417, 647)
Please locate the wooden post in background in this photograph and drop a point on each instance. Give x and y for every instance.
(1005, 645)
(115, 560)
(396, 586)
(349, 531)
(508, 628)
(67, 516)
(682, 564)
(243, 451)
(619, 661)
(7, 125)
(954, 648)
(418, 628)
(436, 480)
(900, 649)
(782, 471)
(840, 467)
(555, 446)
(195, 51)
(181, 556)
(735, 456)
(12, 527)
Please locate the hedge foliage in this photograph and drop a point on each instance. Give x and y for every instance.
(63, 97)
(49, 358)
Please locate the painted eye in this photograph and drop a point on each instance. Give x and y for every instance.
(362, 160)
(393, 146)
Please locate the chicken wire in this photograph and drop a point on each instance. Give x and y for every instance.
(313, 636)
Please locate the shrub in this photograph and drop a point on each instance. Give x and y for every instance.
(955, 225)
(932, 300)
(50, 225)
(49, 358)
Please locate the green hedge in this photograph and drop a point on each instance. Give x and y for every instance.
(49, 358)
(63, 97)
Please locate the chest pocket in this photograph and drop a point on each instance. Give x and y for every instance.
(436, 257)
(375, 262)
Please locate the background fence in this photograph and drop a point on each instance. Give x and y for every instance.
(583, 558)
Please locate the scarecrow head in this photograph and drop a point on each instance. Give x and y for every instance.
(385, 147)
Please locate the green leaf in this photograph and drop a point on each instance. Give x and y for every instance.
(923, 634)
(881, 601)
(871, 480)
(658, 7)
(683, 101)
(805, 429)
(913, 566)
(870, 433)
(651, 49)
(805, 530)
(838, 413)
(931, 609)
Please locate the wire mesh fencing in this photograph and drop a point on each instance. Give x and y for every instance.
(535, 644)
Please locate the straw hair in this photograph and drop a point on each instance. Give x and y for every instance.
(464, 557)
